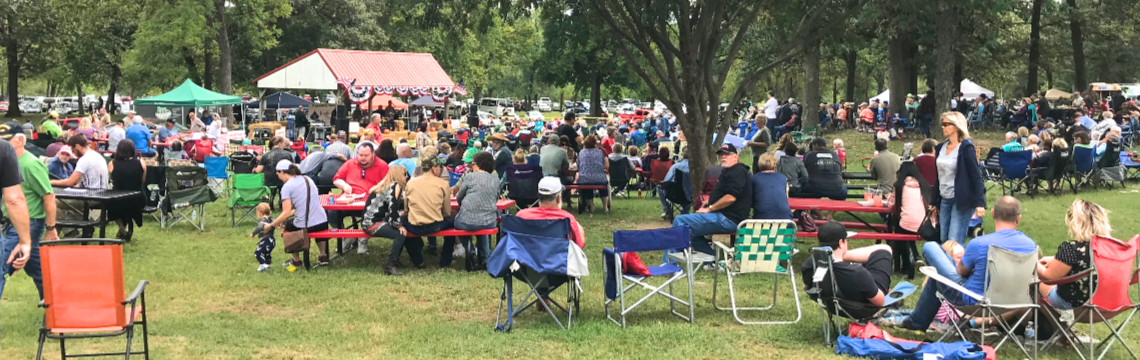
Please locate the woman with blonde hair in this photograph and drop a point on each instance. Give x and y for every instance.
(960, 193)
(1085, 220)
(382, 216)
(85, 129)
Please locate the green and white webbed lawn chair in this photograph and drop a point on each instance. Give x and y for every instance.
(760, 247)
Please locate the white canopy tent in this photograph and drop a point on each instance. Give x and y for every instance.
(884, 96)
(969, 89)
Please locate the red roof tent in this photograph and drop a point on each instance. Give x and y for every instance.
(320, 68)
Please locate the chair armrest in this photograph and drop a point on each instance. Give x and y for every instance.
(722, 247)
(1068, 279)
(931, 272)
(135, 294)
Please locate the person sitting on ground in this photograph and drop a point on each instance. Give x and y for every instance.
(429, 209)
(1012, 144)
(792, 168)
(862, 275)
(884, 166)
(729, 203)
(405, 159)
(769, 191)
(825, 174)
(971, 272)
(60, 167)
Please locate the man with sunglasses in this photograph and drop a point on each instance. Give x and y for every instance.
(356, 177)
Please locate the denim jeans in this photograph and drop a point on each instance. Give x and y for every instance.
(954, 222)
(924, 121)
(928, 303)
(701, 225)
(483, 241)
(32, 268)
(415, 243)
(665, 208)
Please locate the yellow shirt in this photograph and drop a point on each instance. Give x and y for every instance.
(429, 200)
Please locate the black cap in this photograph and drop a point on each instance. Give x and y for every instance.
(726, 149)
(831, 233)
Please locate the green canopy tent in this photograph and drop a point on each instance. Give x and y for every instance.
(189, 95)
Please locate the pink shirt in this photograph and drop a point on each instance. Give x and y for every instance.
(912, 212)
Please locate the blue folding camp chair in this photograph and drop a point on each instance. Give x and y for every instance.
(676, 238)
(1014, 168)
(540, 253)
(1132, 168)
(216, 173)
(1083, 163)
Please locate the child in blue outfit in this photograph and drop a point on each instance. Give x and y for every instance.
(267, 243)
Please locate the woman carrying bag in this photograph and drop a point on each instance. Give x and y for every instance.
(299, 199)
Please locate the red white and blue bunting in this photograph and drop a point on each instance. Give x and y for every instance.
(361, 94)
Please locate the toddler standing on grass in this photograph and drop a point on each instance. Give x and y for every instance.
(264, 252)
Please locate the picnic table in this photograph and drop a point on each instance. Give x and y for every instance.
(502, 204)
(857, 176)
(850, 207)
(103, 196)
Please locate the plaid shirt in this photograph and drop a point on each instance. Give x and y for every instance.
(339, 148)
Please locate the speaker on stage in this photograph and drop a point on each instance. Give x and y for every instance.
(340, 118)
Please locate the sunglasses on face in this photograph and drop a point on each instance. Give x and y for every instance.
(947, 124)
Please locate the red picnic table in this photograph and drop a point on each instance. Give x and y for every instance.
(502, 204)
(850, 207)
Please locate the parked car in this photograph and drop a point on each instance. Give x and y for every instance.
(544, 104)
(495, 106)
(535, 116)
(635, 115)
(3, 106)
(31, 106)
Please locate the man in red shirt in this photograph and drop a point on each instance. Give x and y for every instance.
(356, 177)
(374, 125)
(550, 208)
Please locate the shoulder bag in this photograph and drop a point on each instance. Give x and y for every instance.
(298, 241)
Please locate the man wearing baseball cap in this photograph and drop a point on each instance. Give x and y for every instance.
(429, 210)
(863, 274)
(728, 205)
(550, 208)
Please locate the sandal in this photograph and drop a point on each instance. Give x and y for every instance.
(323, 260)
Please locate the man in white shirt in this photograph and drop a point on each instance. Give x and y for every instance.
(770, 108)
(114, 136)
(90, 172)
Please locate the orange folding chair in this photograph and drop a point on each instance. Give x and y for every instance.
(84, 295)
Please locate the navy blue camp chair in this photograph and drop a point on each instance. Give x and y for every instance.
(675, 238)
(1014, 168)
(540, 253)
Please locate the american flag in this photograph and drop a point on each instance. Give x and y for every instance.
(460, 89)
(346, 82)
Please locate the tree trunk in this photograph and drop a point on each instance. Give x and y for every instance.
(79, 94)
(811, 84)
(946, 36)
(1031, 85)
(191, 66)
(595, 94)
(959, 63)
(1080, 69)
(225, 59)
(116, 74)
(1048, 76)
(898, 72)
(13, 60)
(912, 66)
(850, 59)
(207, 64)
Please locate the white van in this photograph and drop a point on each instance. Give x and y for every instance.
(544, 104)
(495, 106)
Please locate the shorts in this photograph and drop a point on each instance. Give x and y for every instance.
(879, 265)
(1057, 301)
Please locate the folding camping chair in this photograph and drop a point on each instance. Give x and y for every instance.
(540, 253)
(678, 193)
(84, 295)
(1011, 278)
(243, 162)
(620, 176)
(659, 168)
(216, 174)
(760, 247)
(991, 167)
(666, 239)
(1083, 166)
(1109, 169)
(1014, 170)
(248, 191)
(1131, 168)
(1059, 171)
(825, 291)
(1114, 272)
(187, 193)
(522, 184)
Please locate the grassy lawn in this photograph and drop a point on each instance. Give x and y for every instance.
(207, 301)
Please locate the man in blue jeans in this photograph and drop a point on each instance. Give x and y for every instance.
(728, 205)
(30, 208)
(970, 270)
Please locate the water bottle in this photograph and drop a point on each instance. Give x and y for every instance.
(331, 200)
(1030, 331)
(194, 215)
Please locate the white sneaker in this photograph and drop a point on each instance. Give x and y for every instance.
(362, 246)
(263, 267)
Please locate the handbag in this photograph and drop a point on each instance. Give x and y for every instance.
(928, 230)
(806, 223)
(298, 241)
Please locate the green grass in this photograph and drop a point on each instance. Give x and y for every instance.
(206, 301)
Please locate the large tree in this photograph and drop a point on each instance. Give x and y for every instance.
(23, 25)
(685, 50)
